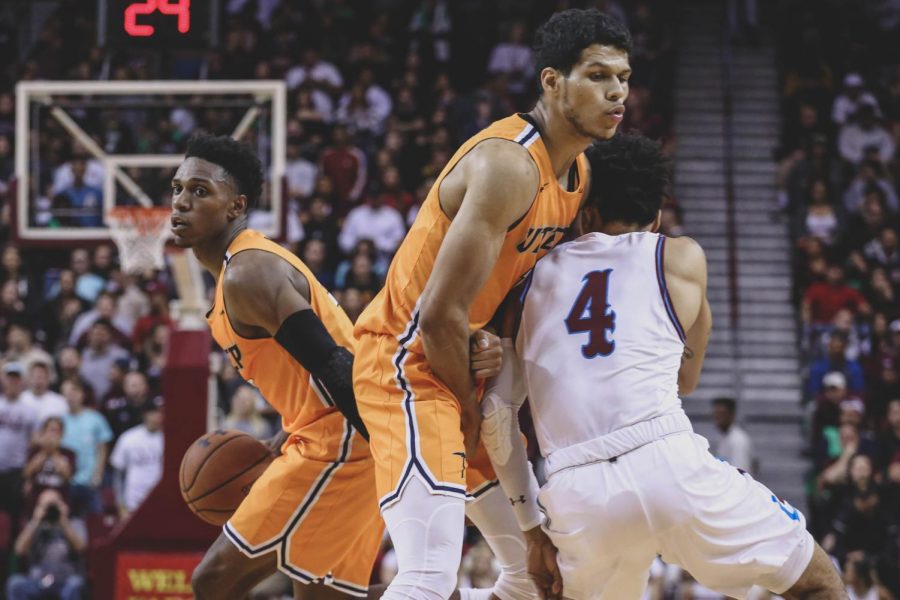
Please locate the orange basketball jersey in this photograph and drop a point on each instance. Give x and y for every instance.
(536, 233)
(305, 407)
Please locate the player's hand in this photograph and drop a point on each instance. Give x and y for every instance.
(470, 425)
(542, 565)
(486, 354)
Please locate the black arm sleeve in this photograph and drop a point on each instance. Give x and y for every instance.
(304, 336)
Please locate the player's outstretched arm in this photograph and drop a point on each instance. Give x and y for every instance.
(496, 184)
(266, 297)
(686, 274)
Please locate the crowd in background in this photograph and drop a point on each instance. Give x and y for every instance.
(837, 182)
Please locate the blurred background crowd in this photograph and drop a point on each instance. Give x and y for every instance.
(380, 96)
(837, 180)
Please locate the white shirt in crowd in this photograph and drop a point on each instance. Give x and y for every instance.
(139, 454)
(844, 106)
(321, 71)
(383, 225)
(300, 175)
(49, 404)
(511, 58)
(18, 421)
(853, 140)
(63, 178)
(735, 447)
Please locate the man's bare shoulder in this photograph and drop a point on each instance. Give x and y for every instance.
(502, 165)
(685, 258)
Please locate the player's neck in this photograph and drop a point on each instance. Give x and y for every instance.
(563, 143)
(212, 253)
(620, 228)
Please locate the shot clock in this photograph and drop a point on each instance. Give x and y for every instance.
(158, 23)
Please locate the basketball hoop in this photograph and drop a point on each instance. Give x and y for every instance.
(140, 234)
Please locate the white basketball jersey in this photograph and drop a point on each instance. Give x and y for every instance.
(599, 339)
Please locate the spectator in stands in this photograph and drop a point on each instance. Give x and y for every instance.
(18, 421)
(314, 253)
(69, 363)
(106, 307)
(53, 544)
(883, 252)
(49, 465)
(12, 269)
(730, 442)
(82, 200)
(856, 137)
(157, 315)
(152, 357)
(62, 300)
(243, 415)
(88, 285)
(513, 61)
(820, 220)
(20, 346)
(46, 402)
(87, 434)
(824, 299)
(889, 442)
(99, 356)
(318, 73)
(836, 360)
(870, 174)
(375, 221)
(861, 579)
(138, 458)
(124, 412)
(299, 173)
(12, 308)
(863, 524)
(852, 99)
(863, 227)
(345, 166)
(353, 301)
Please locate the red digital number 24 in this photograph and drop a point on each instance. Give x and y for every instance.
(182, 8)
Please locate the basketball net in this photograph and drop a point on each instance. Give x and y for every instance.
(140, 235)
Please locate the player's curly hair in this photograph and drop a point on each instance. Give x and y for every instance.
(237, 159)
(630, 177)
(558, 42)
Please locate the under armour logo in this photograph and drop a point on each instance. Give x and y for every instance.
(513, 501)
(464, 463)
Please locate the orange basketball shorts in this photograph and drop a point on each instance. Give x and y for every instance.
(413, 421)
(320, 516)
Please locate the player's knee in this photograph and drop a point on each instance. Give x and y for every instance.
(423, 584)
(204, 578)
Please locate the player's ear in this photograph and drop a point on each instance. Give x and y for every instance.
(239, 205)
(657, 222)
(550, 79)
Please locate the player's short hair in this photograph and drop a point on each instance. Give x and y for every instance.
(237, 159)
(725, 402)
(630, 177)
(558, 42)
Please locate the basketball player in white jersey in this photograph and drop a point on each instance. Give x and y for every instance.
(614, 325)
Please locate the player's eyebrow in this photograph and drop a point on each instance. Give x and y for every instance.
(195, 179)
(603, 65)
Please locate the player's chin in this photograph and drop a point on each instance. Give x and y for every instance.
(605, 133)
(180, 241)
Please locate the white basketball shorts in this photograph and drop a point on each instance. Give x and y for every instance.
(671, 498)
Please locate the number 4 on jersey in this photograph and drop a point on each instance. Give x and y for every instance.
(591, 314)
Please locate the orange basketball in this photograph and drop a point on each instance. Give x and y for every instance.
(218, 470)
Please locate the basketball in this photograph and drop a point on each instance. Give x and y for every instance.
(218, 470)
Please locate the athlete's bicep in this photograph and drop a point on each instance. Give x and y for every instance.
(262, 290)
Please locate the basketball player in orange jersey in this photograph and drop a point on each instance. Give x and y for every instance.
(505, 199)
(312, 514)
